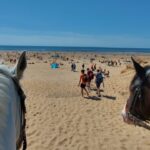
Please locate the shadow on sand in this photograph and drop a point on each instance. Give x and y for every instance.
(75, 71)
(96, 98)
(93, 98)
(94, 89)
(110, 97)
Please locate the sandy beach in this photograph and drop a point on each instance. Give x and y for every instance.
(58, 118)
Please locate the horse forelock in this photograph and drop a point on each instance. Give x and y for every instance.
(136, 81)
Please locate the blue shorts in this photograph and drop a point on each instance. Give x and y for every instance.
(98, 84)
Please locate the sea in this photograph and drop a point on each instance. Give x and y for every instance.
(75, 49)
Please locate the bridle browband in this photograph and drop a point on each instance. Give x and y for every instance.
(22, 136)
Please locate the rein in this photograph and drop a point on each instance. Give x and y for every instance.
(136, 97)
(22, 137)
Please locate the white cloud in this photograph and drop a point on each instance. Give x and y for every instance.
(20, 37)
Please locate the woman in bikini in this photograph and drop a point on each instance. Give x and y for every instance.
(82, 83)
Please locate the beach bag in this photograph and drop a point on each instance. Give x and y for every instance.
(85, 78)
(99, 77)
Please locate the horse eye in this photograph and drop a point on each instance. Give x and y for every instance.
(133, 88)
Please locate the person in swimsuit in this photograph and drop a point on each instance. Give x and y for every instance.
(82, 83)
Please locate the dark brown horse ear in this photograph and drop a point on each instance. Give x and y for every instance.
(138, 68)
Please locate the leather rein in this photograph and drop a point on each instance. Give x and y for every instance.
(22, 137)
(137, 97)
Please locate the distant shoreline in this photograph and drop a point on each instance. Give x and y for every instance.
(97, 50)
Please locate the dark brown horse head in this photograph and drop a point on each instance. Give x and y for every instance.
(138, 103)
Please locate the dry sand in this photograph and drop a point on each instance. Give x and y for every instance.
(58, 118)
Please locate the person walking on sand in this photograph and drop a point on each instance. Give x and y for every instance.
(83, 66)
(72, 67)
(82, 83)
(94, 67)
(90, 76)
(99, 78)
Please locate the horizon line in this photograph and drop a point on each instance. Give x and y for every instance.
(75, 46)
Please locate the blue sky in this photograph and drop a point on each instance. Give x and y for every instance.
(105, 23)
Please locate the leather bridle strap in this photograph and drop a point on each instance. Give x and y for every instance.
(136, 96)
(22, 136)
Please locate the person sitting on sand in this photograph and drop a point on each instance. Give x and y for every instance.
(99, 78)
(82, 83)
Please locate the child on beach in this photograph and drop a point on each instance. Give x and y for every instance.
(83, 66)
(82, 83)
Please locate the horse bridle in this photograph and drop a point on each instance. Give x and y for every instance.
(22, 136)
(136, 97)
(133, 116)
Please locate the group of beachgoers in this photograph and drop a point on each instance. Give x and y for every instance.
(112, 62)
(86, 78)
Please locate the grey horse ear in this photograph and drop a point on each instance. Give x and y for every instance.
(138, 68)
(21, 66)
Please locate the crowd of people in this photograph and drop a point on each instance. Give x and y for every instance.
(86, 78)
(90, 74)
(112, 62)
